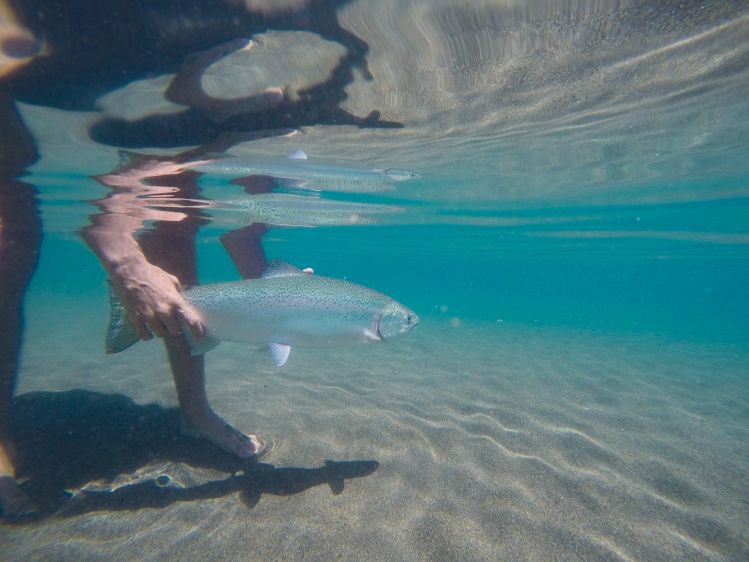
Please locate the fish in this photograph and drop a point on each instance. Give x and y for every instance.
(295, 171)
(285, 307)
(287, 209)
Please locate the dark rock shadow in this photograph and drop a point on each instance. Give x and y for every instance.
(68, 439)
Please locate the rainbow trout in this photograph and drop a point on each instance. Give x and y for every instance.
(296, 171)
(284, 308)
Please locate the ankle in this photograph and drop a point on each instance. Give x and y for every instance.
(194, 414)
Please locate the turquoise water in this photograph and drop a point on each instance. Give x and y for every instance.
(639, 280)
(577, 247)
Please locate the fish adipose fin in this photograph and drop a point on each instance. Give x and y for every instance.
(121, 333)
(280, 353)
(278, 268)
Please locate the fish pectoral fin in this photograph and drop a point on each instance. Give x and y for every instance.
(280, 353)
(373, 335)
(199, 346)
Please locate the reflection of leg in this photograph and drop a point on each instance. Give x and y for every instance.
(246, 251)
(171, 246)
(244, 245)
(20, 238)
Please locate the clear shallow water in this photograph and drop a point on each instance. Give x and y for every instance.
(577, 247)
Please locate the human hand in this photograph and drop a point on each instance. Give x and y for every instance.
(153, 299)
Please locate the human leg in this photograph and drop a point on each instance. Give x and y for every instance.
(20, 239)
(171, 246)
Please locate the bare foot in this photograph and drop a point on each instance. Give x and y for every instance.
(214, 429)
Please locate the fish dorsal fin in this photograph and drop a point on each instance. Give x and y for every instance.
(127, 158)
(298, 155)
(280, 353)
(278, 268)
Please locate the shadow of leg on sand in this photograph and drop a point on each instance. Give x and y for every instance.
(67, 440)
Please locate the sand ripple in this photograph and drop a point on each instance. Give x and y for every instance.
(546, 445)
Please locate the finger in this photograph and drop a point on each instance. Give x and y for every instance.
(176, 282)
(172, 323)
(157, 327)
(141, 328)
(194, 322)
(192, 319)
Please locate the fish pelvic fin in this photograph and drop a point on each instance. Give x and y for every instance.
(280, 353)
(121, 333)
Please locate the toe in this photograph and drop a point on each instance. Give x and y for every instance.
(244, 446)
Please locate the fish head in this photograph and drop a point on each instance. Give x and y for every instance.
(395, 319)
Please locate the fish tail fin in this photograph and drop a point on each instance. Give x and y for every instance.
(121, 333)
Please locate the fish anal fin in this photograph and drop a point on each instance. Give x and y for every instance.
(280, 353)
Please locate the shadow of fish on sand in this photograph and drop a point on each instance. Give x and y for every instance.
(71, 440)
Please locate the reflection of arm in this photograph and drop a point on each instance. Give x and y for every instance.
(151, 296)
(186, 88)
(112, 240)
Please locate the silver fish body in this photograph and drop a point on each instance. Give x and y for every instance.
(286, 209)
(303, 174)
(306, 310)
(283, 309)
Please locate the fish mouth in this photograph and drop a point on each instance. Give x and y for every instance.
(387, 326)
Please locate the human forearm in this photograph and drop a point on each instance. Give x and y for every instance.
(151, 296)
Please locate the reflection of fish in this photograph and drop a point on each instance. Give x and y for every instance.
(295, 171)
(283, 308)
(285, 209)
